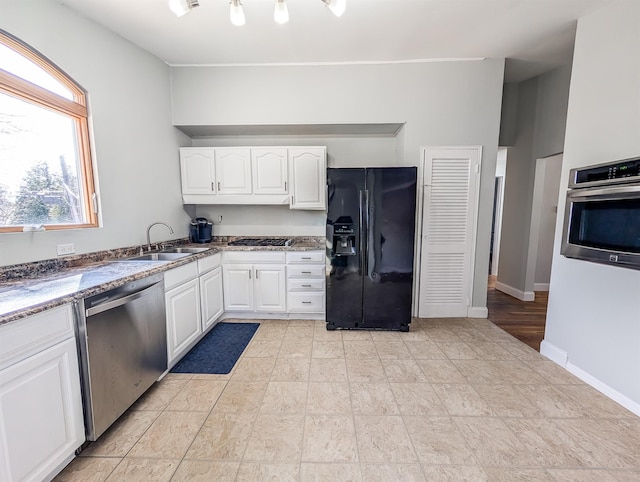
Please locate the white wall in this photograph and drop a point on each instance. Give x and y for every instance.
(539, 132)
(548, 210)
(594, 310)
(135, 145)
(441, 103)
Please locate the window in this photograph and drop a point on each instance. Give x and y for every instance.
(46, 174)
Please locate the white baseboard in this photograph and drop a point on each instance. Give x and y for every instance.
(250, 315)
(478, 312)
(540, 286)
(554, 353)
(516, 293)
(605, 389)
(562, 358)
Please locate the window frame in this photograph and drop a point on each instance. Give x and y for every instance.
(75, 109)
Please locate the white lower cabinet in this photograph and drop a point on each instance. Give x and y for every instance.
(41, 420)
(269, 288)
(254, 281)
(193, 301)
(183, 318)
(305, 281)
(211, 297)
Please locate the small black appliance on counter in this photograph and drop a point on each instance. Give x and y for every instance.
(200, 230)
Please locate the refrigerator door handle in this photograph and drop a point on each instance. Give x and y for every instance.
(361, 229)
(366, 232)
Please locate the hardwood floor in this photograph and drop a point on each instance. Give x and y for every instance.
(523, 319)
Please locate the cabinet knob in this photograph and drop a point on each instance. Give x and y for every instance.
(306, 302)
(305, 272)
(306, 286)
(218, 185)
(212, 187)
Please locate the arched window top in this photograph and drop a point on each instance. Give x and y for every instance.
(20, 66)
(45, 156)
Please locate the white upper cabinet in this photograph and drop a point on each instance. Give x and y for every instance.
(294, 176)
(308, 173)
(233, 170)
(197, 169)
(269, 170)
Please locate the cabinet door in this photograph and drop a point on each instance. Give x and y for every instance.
(308, 172)
(233, 170)
(238, 287)
(211, 297)
(197, 170)
(183, 318)
(269, 170)
(41, 421)
(270, 293)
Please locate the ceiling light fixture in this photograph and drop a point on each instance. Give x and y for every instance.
(182, 7)
(236, 14)
(281, 13)
(337, 7)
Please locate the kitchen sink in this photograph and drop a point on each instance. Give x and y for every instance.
(165, 256)
(184, 250)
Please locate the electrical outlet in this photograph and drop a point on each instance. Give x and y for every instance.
(220, 219)
(64, 249)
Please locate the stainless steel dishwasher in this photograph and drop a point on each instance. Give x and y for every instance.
(122, 340)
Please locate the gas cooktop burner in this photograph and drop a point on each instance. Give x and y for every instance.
(261, 242)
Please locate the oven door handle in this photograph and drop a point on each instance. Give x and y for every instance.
(109, 305)
(614, 192)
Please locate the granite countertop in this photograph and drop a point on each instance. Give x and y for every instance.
(34, 287)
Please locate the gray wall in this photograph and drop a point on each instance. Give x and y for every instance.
(540, 126)
(441, 103)
(594, 310)
(134, 142)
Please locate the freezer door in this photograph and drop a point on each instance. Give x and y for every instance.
(389, 244)
(345, 189)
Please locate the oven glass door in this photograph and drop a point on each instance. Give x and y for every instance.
(603, 224)
(606, 224)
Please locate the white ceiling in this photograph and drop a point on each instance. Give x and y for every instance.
(535, 35)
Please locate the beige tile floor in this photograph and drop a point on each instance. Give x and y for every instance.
(453, 399)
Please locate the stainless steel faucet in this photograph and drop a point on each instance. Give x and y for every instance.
(149, 229)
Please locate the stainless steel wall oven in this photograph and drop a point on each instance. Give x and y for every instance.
(602, 214)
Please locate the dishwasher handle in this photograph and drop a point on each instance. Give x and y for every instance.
(108, 305)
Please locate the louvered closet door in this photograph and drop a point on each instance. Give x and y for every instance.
(451, 182)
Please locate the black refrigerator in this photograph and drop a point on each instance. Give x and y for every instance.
(370, 240)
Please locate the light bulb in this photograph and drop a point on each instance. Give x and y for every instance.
(179, 7)
(337, 7)
(236, 14)
(281, 13)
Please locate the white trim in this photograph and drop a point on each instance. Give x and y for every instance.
(554, 353)
(540, 286)
(561, 357)
(478, 312)
(516, 293)
(349, 62)
(254, 315)
(605, 389)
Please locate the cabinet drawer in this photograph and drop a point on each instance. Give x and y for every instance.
(306, 302)
(305, 257)
(34, 333)
(179, 275)
(253, 257)
(305, 284)
(305, 271)
(209, 263)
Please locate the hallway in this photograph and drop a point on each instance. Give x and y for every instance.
(523, 319)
